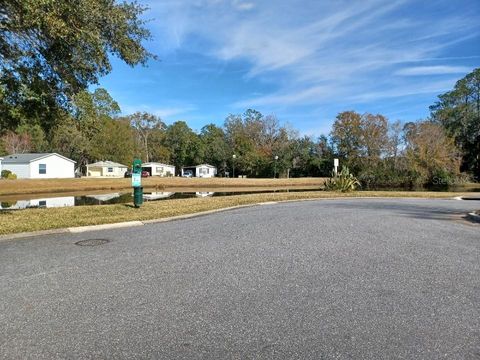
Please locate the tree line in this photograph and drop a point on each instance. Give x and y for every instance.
(51, 51)
(378, 151)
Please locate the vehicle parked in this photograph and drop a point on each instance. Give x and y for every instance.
(145, 174)
(188, 173)
(128, 174)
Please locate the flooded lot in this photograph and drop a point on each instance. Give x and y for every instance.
(50, 200)
(18, 202)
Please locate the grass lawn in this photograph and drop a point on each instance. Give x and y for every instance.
(36, 186)
(16, 221)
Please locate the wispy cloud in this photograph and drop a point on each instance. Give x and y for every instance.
(172, 111)
(164, 113)
(323, 52)
(399, 91)
(432, 70)
(243, 5)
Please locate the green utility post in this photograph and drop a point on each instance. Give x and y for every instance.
(137, 183)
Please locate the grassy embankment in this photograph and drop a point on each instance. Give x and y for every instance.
(42, 219)
(34, 186)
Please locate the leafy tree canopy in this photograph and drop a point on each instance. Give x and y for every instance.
(150, 128)
(52, 49)
(186, 147)
(458, 111)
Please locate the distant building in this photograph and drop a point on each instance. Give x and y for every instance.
(158, 169)
(202, 171)
(39, 166)
(204, 194)
(106, 169)
(1, 165)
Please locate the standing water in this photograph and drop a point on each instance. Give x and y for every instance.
(114, 198)
(33, 201)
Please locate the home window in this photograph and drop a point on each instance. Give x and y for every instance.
(159, 169)
(42, 168)
(110, 170)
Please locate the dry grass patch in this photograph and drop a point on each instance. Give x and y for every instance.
(16, 221)
(39, 186)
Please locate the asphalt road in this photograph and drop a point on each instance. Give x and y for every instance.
(329, 279)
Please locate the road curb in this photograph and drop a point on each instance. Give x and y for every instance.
(32, 234)
(197, 214)
(80, 229)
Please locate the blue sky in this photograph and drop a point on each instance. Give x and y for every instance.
(302, 60)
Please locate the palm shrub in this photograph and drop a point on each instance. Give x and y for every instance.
(344, 181)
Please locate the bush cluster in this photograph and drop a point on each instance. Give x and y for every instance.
(7, 174)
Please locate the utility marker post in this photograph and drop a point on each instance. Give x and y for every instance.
(335, 167)
(137, 183)
(275, 167)
(233, 162)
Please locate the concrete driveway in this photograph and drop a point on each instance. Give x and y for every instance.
(328, 279)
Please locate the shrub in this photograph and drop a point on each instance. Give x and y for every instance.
(7, 174)
(381, 177)
(7, 204)
(344, 181)
(441, 178)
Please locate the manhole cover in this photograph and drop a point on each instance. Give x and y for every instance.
(92, 242)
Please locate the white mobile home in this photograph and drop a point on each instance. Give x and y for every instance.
(39, 166)
(106, 169)
(158, 169)
(203, 194)
(202, 171)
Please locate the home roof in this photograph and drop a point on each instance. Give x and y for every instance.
(106, 164)
(156, 163)
(29, 157)
(196, 166)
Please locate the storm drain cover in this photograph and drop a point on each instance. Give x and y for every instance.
(92, 242)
